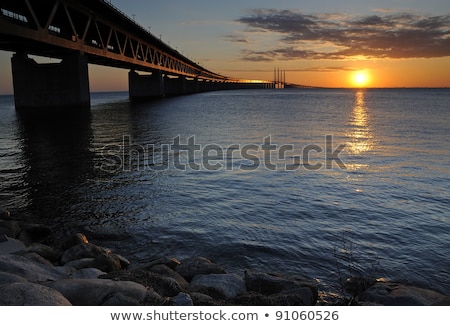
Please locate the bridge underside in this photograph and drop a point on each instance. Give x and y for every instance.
(93, 31)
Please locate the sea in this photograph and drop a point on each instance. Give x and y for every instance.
(322, 183)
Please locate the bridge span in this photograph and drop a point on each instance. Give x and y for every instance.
(93, 31)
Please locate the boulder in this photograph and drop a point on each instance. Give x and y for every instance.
(11, 246)
(198, 266)
(395, 294)
(182, 300)
(43, 250)
(83, 250)
(31, 233)
(4, 214)
(165, 271)
(170, 262)
(80, 263)
(74, 240)
(96, 292)
(29, 294)
(30, 270)
(106, 263)
(7, 278)
(220, 285)
(87, 273)
(9, 228)
(296, 288)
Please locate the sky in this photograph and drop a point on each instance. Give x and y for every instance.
(323, 43)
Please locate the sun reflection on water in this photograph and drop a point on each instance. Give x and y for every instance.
(361, 138)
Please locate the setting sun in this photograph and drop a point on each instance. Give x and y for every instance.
(360, 78)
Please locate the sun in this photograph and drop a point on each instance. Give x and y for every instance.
(360, 78)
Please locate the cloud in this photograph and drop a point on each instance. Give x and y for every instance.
(335, 36)
(235, 39)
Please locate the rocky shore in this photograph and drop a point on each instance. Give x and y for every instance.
(77, 272)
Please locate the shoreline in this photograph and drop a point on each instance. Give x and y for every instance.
(78, 272)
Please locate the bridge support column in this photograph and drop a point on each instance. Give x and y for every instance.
(54, 85)
(174, 85)
(145, 86)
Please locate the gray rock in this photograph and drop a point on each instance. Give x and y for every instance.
(29, 294)
(182, 300)
(226, 285)
(36, 258)
(297, 289)
(31, 233)
(11, 246)
(87, 273)
(30, 270)
(198, 266)
(74, 240)
(7, 278)
(201, 299)
(170, 262)
(164, 270)
(43, 250)
(80, 263)
(97, 292)
(106, 263)
(9, 228)
(120, 300)
(394, 294)
(83, 250)
(4, 214)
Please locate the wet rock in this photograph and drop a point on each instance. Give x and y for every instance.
(30, 270)
(394, 294)
(198, 266)
(170, 262)
(80, 263)
(74, 240)
(29, 294)
(83, 250)
(9, 228)
(226, 285)
(182, 300)
(106, 263)
(4, 214)
(44, 251)
(87, 273)
(11, 246)
(305, 289)
(97, 292)
(201, 299)
(165, 271)
(356, 285)
(31, 233)
(7, 278)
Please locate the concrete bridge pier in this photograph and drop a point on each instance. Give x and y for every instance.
(145, 86)
(50, 85)
(174, 85)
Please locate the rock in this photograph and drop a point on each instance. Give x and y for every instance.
(106, 263)
(80, 263)
(83, 250)
(74, 240)
(7, 278)
(182, 300)
(9, 228)
(11, 246)
(201, 299)
(226, 285)
(395, 294)
(270, 283)
(44, 251)
(356, 285)
(165, 271)
(30, 270)
(29, 294)
(124, 263)
(97, 292)
(170, 262)
(4, 214)
(198, 266)
(31, 233)
(120, 300)
(87, 273)
(37, 258)
(164, 286)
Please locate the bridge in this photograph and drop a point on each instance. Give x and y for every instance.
(82, 32)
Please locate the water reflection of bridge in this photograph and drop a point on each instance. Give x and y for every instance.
(93, 31)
